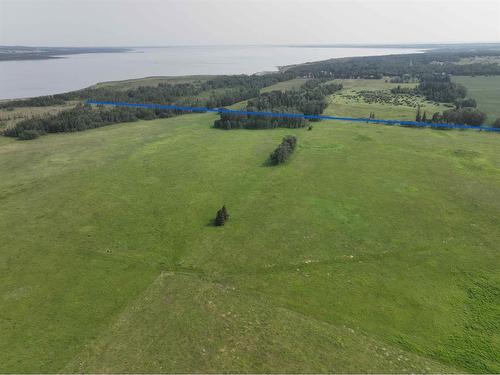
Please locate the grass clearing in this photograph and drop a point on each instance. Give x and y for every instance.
(349, 102)
(486, 91)
(230, 330)
(9, 117)
(389, 232)
(151, 81)
(293, 84)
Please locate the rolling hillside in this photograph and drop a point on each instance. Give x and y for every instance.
(373, 248)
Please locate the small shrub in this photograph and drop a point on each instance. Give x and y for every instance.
(225, 213)
(221, 217)
(26, 135)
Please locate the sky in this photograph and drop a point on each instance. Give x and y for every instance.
(218, 22)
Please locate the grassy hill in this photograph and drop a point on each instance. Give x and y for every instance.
(374, 248)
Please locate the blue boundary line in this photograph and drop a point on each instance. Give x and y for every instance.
(293, 115)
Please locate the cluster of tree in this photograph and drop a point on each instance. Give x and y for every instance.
(231, 96)
(309, 100)
(302, 101)
(255, 81)
(284, 150)
(405, 78)
(80, 118)
(467, 102)
(230, 121)
(461, 116)
(440, 89)
(419, 117)
(466, 115)
(221, 217)
(403, 90)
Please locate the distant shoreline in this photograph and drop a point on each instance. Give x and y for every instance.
(16, 53)
(13, 53)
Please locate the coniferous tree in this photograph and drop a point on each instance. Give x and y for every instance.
(225, 213)
(418, 118)
(220, 219)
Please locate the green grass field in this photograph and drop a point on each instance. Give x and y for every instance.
(349, 103)
(9, 117)
(374, 249)
(293, 84)
(151, 81)
(486, 91)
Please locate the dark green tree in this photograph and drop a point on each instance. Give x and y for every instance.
(220, 218)
(418, 118)
(225, 213)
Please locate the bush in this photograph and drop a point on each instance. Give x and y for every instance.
(221, 217)
(467, 116)
(284, 150)
(463, 103)
(26, 135)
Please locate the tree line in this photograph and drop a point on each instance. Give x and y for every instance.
(217, 92)
(82, 117)
(459, 115)
(406, 67)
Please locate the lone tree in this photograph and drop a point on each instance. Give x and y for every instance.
(222, 217)
(225, 213)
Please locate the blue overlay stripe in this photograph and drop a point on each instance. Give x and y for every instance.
(292, 115)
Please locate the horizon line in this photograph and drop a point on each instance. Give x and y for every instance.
(310, 44)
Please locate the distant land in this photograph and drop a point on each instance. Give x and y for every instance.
(9, 53)
(459, 46)
(40, 53)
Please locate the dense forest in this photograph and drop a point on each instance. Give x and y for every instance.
(439, 88)
(410, 65)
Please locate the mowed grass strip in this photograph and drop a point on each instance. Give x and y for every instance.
(390, 232)
(183, 323)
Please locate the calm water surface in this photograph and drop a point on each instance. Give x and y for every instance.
(20, 79)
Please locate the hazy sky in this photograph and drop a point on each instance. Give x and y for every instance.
(174, 22)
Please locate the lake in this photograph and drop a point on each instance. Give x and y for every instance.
(28, 78)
